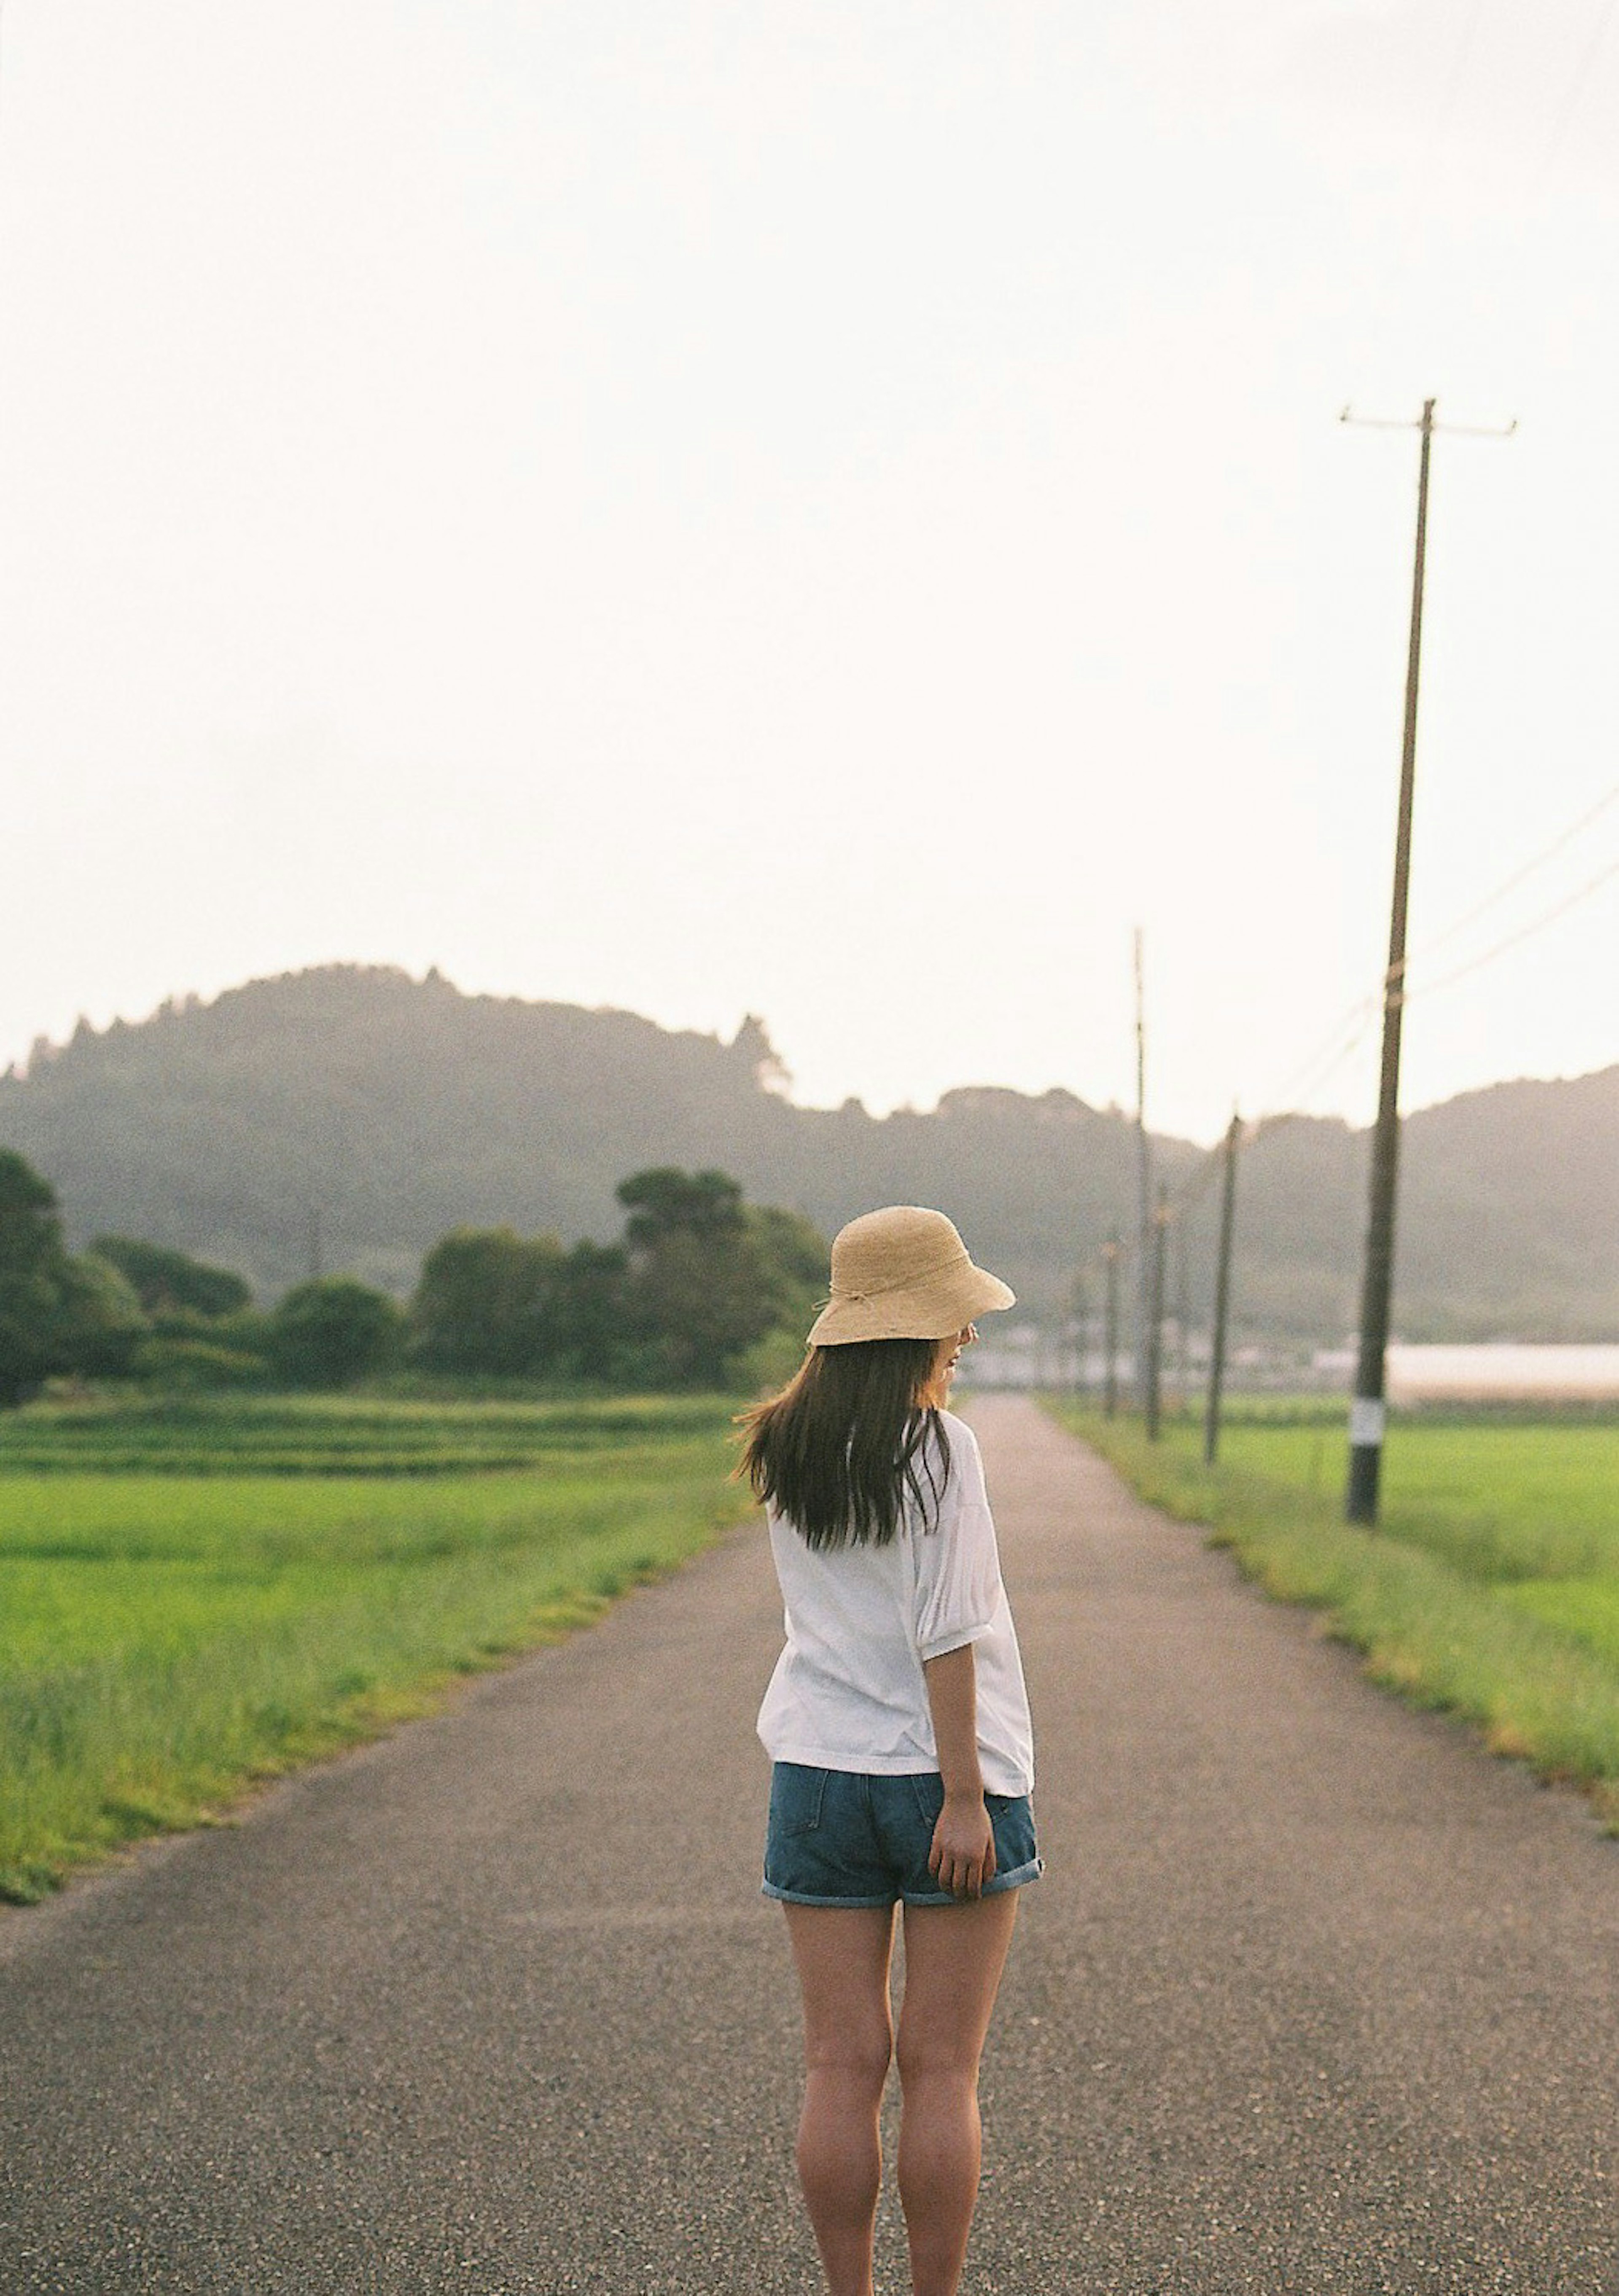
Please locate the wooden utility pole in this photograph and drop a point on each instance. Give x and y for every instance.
(1154, 1311)
(1222, 1293)
(1109, 1329)
(1144, 1190)
(1366, 1412)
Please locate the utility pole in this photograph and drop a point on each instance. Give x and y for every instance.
(1144, 1187)
(1109, 1329)
(1366, 1412)
(1155, 1329)
(1223, 1293)
(316, 1268)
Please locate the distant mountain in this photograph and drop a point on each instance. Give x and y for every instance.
(357, 1113)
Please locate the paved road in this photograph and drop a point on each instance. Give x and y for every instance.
(1315, 1995)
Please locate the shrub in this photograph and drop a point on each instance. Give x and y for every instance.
(188, 1365)
(333, 1331)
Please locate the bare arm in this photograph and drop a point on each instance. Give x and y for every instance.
(963, 1854)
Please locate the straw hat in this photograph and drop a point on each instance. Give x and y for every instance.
(902, 1274)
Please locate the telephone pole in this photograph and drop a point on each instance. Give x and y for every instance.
(1110, 1330)
(1144, 1193)
(1155, 1309)
(1367, 1411)
(1079, 1382)
(1222, 1293)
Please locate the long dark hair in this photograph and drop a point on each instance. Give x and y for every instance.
(838, 1449)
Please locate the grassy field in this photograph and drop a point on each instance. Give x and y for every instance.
(197, 1595)
(320, 1435)
(1490, 1587)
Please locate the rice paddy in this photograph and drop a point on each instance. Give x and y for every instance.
(200, 1595)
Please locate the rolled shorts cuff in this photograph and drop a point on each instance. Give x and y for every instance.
(1017, 1879)
(803, 1897)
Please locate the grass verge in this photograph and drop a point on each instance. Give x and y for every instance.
(168, 1641)
(1475, 1625)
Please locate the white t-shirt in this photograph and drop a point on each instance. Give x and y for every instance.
(848, 1693)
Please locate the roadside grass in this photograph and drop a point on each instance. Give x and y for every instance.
(1490, 1591)
(167, 1640)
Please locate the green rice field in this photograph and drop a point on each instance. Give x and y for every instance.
(198, 1595)
(1490, 1588)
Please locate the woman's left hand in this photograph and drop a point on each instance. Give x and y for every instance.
(962, 1858)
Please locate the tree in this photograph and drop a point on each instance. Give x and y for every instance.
(701, 1289)
(164, 1279)
(57, 1314)
(487, 1302)
(596, 1340)
(794, 1253)
(33, 1273)
(665, 1202)
(99, 1322)
(331, 1332)
(493, 1303)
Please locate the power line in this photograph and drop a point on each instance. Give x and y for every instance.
(1463, 49)
(1336, 1053)
(1423, 174)
(1196, 1185)
(1528, 869)
(1307, 1076)
(1339, 1047)
(1571, 102)
(1525, 932)
(1114, 1256)
(1330, 1048)
(1331, 1052)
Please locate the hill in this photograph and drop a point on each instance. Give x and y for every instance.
(358, 1113)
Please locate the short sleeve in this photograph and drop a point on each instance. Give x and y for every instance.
(958, 1588)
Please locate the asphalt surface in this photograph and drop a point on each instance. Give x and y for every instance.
(1316, 1996)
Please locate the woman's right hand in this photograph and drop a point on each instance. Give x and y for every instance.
(962, 1858)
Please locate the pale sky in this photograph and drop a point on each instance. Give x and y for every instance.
(833, 510)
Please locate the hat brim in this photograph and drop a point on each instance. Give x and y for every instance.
(922, 1311)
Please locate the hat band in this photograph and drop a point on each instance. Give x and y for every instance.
(907, 1283)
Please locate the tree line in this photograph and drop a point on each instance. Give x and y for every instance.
(392, 1104)
(704, 1290)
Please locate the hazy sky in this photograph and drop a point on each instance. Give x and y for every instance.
(836, 509)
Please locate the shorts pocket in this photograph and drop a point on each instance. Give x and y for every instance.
(928, 1787)
(796, 1795)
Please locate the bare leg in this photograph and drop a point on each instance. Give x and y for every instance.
(842, 1956)
(954, 1955)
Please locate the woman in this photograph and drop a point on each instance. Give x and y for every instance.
(898, 1726)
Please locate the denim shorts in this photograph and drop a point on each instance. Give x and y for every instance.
(850, 1838)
